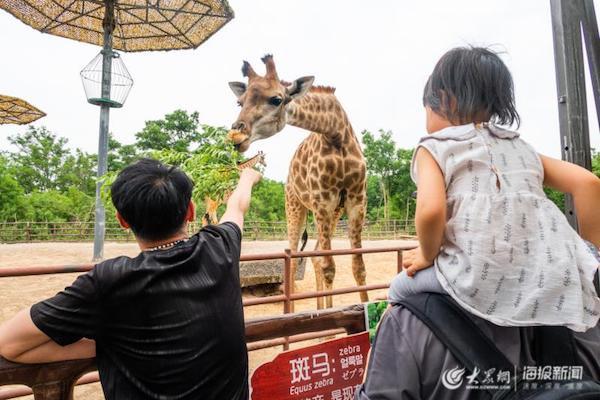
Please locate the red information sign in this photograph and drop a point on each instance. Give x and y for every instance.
(326, 371)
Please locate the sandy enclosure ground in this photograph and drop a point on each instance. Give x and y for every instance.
(17, 293)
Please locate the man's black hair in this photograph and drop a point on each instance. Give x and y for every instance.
(153, 198)
(472, 82)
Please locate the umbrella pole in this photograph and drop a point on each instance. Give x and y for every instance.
(100, 215)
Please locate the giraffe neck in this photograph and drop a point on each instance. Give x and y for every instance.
(319, 112)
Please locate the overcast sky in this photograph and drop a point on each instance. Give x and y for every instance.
(377, 53)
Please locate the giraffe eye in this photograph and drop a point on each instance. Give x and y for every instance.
(275, 101)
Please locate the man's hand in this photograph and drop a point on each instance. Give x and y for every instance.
(413, 261)
(250, 175)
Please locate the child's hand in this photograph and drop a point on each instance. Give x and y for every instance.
(413, 261)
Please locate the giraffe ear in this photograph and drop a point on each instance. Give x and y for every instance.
(238, 88)
(300, 87)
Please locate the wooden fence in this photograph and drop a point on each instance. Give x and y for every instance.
(18, 232)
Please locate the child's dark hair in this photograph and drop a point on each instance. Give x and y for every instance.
(469, 83)
(153, 198)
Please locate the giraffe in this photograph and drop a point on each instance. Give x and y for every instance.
(327, 174)
(211, 206)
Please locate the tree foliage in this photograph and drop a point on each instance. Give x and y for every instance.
(388, 182)
(596, 162)
(176, 131)
(382, 162)
(13, 203)
(268, 201)
(212, 166)
(39, 159)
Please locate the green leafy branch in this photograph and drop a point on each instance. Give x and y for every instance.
(213, 166)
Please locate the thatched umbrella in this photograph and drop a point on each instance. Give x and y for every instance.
(128, 25)
(16, 111)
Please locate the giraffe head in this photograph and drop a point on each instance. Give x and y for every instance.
(264, 101)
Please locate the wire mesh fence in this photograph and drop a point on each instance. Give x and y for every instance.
(18, 232)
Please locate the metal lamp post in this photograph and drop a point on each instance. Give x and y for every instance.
(98, 85)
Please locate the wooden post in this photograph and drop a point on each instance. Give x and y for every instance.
(592, 49)
(570, 83)
(570, 20)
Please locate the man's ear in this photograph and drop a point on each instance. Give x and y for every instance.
(191, 212)
(122, 221)
(300, 87)
(238, 88)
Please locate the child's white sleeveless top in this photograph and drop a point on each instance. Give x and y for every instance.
(509, 254)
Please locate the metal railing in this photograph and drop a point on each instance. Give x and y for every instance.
(18, 232)
(55, 381)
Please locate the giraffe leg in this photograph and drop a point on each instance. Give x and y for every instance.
(296, 218)
(317, 266)
(356, 217)
(210, 216)
(326, 264)
(336, 217)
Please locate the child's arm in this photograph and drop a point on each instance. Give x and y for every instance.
(430, 217)
(584, 186)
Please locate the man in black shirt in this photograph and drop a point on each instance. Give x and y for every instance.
(166, 324)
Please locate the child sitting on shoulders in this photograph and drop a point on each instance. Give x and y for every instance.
(493, 240)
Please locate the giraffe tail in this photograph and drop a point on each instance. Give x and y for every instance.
(304, 239)
(302, 260)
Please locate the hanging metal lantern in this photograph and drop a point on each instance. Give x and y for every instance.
(120, 81)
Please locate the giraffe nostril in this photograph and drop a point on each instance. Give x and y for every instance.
(239, 126)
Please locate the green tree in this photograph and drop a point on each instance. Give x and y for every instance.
(268, 201)
(13, 203)
(121, 155)
(596, 162)
(375, 203)
(39, 159)
(54, 206)
(177, 131)
(382, 162)
(78, 171)
(50, 206)
(402, 186)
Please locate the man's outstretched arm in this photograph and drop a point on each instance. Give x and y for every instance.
(21, 341)
(239, 201)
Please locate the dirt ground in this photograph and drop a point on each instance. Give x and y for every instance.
(17, 293)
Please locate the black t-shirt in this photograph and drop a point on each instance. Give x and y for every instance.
(168, 324)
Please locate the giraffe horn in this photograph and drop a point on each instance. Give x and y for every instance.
(248, 71)
(270, 64)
